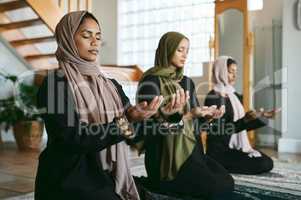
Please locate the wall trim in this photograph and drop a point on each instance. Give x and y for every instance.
(288, 145)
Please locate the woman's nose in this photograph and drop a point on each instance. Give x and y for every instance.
(94, 41)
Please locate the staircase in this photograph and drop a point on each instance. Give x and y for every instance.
(29, 25)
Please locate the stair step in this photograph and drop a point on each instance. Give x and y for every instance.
(39, 56)
(20, 24)
(17, 43)
(12, 5)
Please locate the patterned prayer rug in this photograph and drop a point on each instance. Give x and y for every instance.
(283, 183)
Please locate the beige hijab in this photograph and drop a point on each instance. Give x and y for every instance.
(96, 99)
(239, 140)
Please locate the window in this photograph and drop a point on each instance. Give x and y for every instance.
(141, 23)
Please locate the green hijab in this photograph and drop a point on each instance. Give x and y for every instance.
(176, 147)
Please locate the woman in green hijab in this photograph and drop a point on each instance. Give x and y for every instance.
(174, 157)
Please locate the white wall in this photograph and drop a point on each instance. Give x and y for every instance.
(272, 9)
(291, 138)
(106, 12)
(10, 64)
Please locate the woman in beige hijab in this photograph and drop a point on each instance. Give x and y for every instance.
(227, 140)
(87, 120)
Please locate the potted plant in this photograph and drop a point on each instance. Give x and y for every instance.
(19, 111)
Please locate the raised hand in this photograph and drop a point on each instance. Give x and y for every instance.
(177, 102)
(269, 114)
(208, 112)
(219, 112)
(144, 110)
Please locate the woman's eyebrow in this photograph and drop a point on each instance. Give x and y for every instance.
(90, 31)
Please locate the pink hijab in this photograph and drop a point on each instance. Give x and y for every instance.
(96, 99)
(239, 140)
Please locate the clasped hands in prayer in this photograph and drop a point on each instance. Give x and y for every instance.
(176, 104)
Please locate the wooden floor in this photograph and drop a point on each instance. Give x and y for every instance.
(18, 169)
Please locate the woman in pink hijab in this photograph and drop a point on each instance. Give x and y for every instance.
(227, 140)
(87, 118)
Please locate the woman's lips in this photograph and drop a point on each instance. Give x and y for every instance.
(94, 52)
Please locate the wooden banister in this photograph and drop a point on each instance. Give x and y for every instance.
(21, 24)
(39, 56)
(123, 73)
(17, 43)
(48, 11)
(12, 5)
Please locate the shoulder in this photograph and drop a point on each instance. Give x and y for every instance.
(54, 84)
(148, 82)
(116, 83)
(212, 98)
(52, 78)
(188, 80)
(150, 78)
(212, 93)
(187, 84)
(118, 86)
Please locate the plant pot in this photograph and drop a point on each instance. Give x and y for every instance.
(28, 135)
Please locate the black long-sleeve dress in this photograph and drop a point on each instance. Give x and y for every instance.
(235, 161)
(199, 175)
(69, 167)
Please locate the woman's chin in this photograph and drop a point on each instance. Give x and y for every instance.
(90, 58)
(179, 66)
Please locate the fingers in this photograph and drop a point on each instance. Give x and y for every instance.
(177, 101)
(153, 106)
(178, 98)
(173, 101)
(187, 96)
(154, 103)
(141, 105)
(159, 102)
(212, 109)
(182, 97)
(223, 110)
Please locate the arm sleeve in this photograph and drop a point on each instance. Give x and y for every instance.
(250, 125)
(215, 126)
(239, 125)
(125, 100)
(64, 129)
